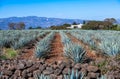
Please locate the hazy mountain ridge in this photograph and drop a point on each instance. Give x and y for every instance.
(35, 21)
(118, 21)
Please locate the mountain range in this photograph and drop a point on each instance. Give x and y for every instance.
(35, 21)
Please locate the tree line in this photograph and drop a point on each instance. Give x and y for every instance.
(16, 26)
(107, 24)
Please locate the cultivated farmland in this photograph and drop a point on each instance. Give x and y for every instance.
(59, 54)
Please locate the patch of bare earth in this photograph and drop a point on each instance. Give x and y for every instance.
(56, 53)
(92, 54)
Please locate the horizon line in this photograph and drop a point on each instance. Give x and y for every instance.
(53, 17)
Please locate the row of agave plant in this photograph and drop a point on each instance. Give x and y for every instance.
(73, 74)
(72, 50)
(17, 39)
(107, 41)
(110, 42)
(43, 46)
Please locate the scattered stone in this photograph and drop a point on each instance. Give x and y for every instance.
(5, 77)
(7, 72)
(29, 64)
(57, 71)
(92, 75)
(59, 62)
(84, 65)
(65, 71)
(53, 76)
(12, 68)
(13, 77)
(84, 70)
(77, 66)
(92, 68)
(30, 78)
(55, 66)
(20, 66)
(29, 74)
(48, 71)
(17, 73)
(60, 77)
(37, 72)
(33, 68)
(62, 65)
(24, 73)
(41, 68)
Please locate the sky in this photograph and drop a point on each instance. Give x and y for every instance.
(73, 9)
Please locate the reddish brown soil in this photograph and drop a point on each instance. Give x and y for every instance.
(29, 54)
(92, 54)
(56, 53)
(28, 50)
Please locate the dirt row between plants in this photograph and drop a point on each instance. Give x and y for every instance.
(28, 50)
(56, 53)
(92, 54)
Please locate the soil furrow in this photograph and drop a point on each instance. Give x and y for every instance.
(56, 53)
(92, 54)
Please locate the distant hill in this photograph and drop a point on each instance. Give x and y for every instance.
(35, 21)
(118, 21)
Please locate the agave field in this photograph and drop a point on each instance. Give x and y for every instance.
(24, 54)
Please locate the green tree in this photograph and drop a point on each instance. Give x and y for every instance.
(20, 26)
(84, 22)
(16, 26)
(95, 25)
(74, 23)
(30, 27)
(111, 20)
(38, 27)
(12, 26)
(60, 27)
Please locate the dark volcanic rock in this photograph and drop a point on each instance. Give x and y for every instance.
(92, 75)
(41, 68)
(7, 72)
(17, 73)
(65, 71)
(29, 64)
(24, 73)
(48, 71)
(62, 65)
(29, 74)
(77, 66)
(34, 67)
(37, 72)
(20, 66)
(53, 76)
(60, 77)
(57, 71)
(92, 68)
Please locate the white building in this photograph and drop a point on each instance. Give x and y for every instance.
(76, 26)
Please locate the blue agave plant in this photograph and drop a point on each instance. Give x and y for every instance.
(41, 76)
(43, 46)
(74, 75)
